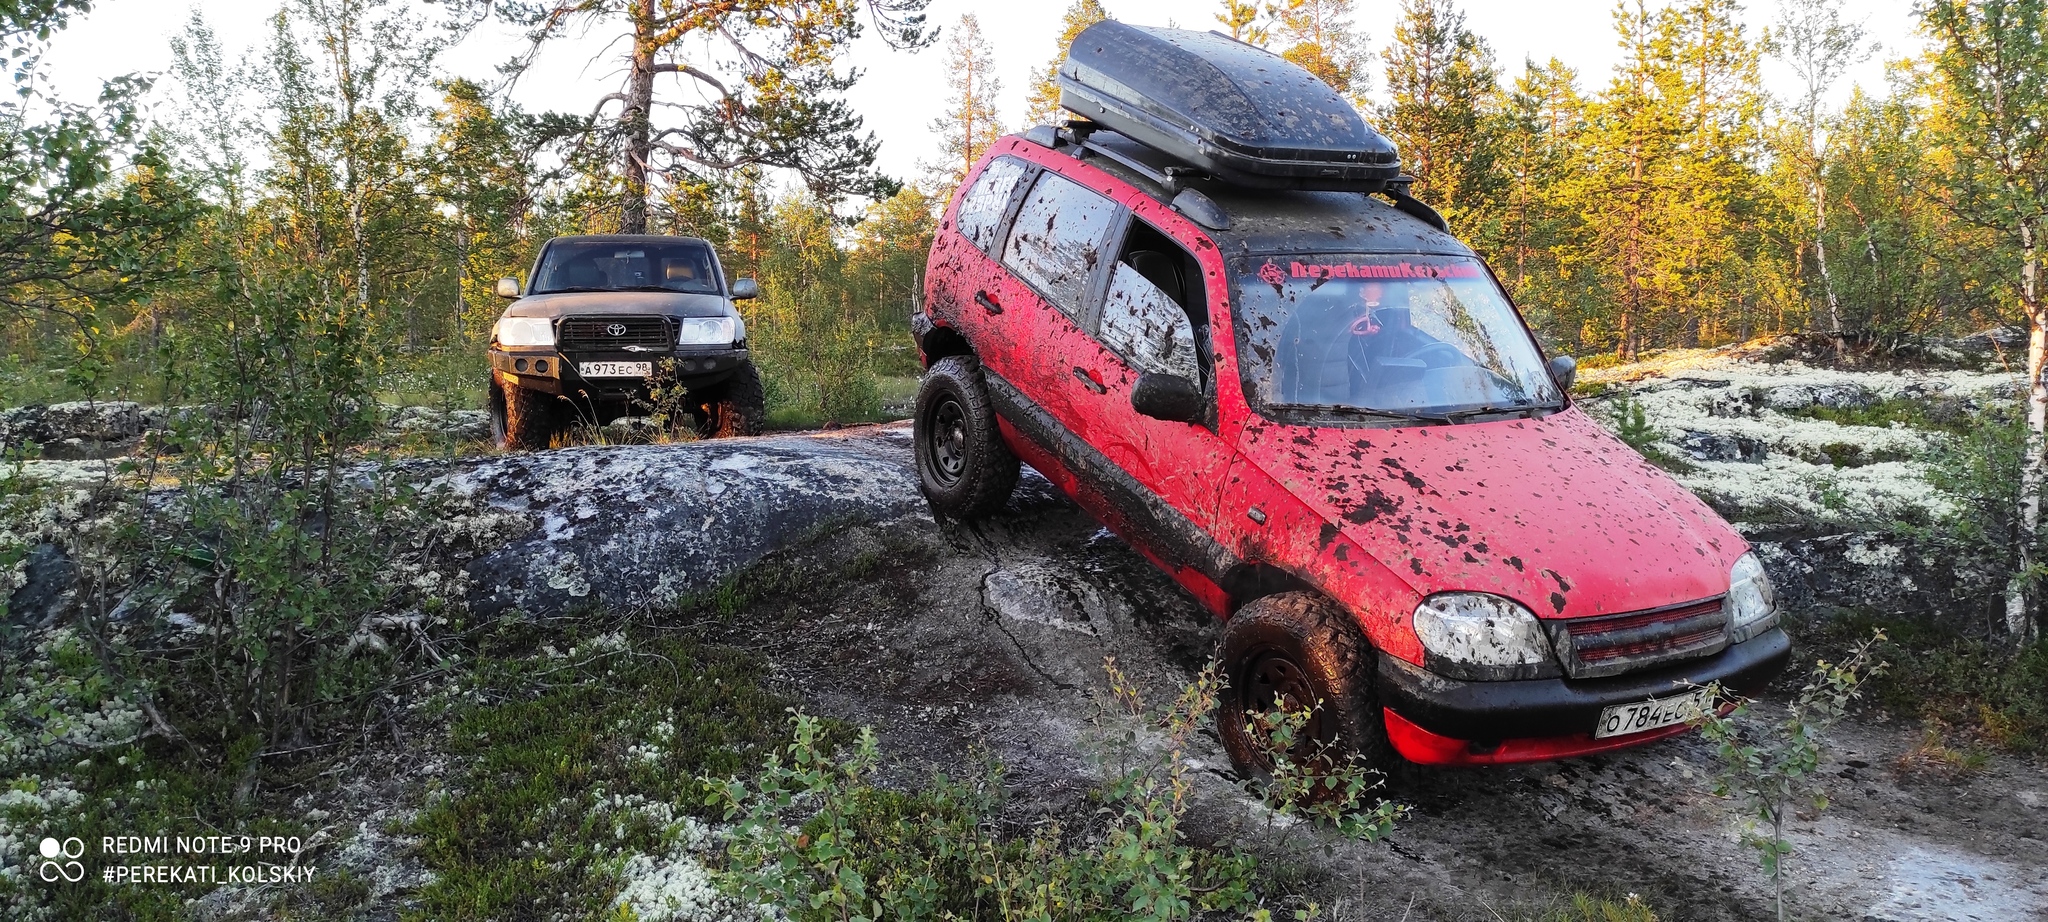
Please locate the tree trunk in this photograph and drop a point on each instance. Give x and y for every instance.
(635, 122)
(2020, 598)
(1820, 249)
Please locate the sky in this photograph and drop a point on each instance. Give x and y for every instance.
(900, 92)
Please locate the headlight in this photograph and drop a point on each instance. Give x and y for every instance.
(1752, 605)
(1473, 635)
(705, 331)
(525, 331)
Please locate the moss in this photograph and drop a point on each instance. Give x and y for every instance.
(1907, 411)
(579, 759)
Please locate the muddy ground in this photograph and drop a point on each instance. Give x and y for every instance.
(995, 639)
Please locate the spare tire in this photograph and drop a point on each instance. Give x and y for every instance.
(963, 466)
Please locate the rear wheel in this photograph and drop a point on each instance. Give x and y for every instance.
(523, 419)
(1297, 651)
(962, 464)
(737, 407)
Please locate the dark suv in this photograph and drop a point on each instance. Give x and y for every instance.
(1300, 396)
(620, 325)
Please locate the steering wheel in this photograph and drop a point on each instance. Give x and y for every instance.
(1441, 354)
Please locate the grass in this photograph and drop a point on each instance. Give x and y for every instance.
(1971, 695)
(579, 756)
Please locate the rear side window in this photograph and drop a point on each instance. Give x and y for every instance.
(1057, 240)
(981, 212)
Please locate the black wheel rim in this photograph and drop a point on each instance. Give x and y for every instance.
(947, 437)
(1273, 682)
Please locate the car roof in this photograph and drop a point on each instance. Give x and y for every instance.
(1282, 221)
(629, 238)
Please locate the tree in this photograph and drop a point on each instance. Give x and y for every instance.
(970, 123)
(778, 105)
(1442, 85)
(1317, 34)
(1043, 107)
(482, 165)
(1246, 22)
(89, 205)
(1818, 45)
(1990, 63)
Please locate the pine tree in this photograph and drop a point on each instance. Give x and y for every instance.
(1043, 107)
(1318, 35)
(1247, 21)
(971, 122)
(1442, 85)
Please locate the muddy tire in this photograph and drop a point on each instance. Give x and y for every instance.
(523, 419)
(1300, 648)
(737, 407)
(963, 466)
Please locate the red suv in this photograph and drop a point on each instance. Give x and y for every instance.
(1319, 412)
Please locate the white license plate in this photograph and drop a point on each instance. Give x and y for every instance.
(1643, 716)
(615, 369)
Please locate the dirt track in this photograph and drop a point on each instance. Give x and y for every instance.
(996, 639)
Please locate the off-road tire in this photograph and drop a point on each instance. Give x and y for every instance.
(737, 407)
(523, 419)
(963, 466)
(1331, 663)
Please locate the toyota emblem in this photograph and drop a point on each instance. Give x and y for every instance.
(616, 329)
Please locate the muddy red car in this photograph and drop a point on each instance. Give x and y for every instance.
(1283, 381)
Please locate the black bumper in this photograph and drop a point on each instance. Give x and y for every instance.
(554, 372)
(1533, 708)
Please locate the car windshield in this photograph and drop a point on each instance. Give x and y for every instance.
(595, 265)
(1421, 336)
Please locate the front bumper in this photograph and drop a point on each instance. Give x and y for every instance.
(1437, 721)
(554, 372)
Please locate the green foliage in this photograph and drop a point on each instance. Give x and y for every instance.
(1633, 427)
(816, 837)
(1774, 768)
(1316, 785)
(577, 757)
(1964, 688)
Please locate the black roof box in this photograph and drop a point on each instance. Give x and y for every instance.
(1244, 115)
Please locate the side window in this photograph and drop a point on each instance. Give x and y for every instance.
(1056, 242)
(981, 212)
(1156, 314)
(1146, 327)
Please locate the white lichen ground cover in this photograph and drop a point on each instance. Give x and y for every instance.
(1714, 391)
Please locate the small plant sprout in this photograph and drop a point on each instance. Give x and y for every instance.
(1311, 780)
(1773, 767)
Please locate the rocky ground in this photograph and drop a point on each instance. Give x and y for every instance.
(995, 639)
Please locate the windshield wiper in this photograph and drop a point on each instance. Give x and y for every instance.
(1362, 411)
(1456, 415)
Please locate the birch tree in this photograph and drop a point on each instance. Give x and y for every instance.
(1818, 44)
(1990, 60)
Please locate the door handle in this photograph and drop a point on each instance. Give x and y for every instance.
(988, 303)
(1088, 380)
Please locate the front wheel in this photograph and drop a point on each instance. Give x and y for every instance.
(737, 407)
(522, 419)
(1299, 652)
(963, 466)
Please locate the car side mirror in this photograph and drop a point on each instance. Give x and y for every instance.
(1565, 371)
(746, 290)
(1168, 397)
(508, 288)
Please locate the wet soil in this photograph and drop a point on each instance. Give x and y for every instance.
(991, 637)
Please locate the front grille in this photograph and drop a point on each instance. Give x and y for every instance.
(1612, 644)
(600, 333)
